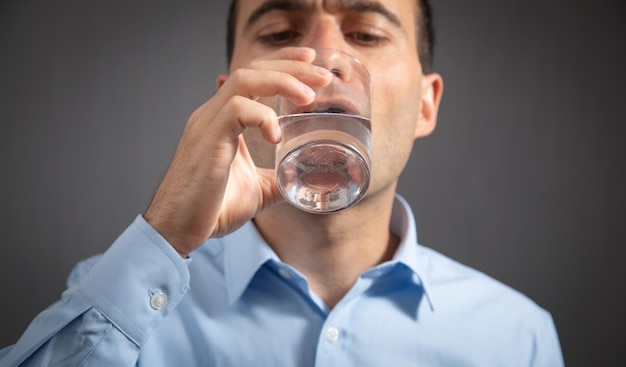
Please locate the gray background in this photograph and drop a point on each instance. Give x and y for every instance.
(523, 178)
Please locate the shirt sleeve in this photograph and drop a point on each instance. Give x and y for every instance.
(547, 348)
(111, 306)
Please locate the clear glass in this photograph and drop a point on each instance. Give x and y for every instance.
(323, 162)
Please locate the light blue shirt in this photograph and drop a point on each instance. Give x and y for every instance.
(236, 304)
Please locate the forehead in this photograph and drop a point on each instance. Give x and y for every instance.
(402, 10)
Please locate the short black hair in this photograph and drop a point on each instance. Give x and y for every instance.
(424, 22)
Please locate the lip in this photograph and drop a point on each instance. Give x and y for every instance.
(331, 106)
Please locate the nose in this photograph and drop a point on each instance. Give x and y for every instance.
(340, 64)
(324, 32)
(349, 90)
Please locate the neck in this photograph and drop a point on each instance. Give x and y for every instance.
(331, 250)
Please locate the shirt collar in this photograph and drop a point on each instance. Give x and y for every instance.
(244, 254)
(247, 251)
(409, 252)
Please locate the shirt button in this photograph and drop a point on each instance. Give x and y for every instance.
(332, 334)
(158, 300)
(286, 274)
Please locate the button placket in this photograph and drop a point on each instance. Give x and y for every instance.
(332, 334)
(331, 347)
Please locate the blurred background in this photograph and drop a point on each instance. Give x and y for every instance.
(523, 178)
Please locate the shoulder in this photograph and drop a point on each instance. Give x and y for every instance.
(457, 287)
(480, 316)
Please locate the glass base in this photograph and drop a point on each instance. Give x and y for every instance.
(323, 176)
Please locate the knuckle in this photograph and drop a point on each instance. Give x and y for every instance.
(195, 115)
(236, 103)
(239, 75)
(266, 114)
(297, 64)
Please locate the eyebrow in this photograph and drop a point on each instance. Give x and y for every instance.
(367, 6)
(359, 6)
(273, 5)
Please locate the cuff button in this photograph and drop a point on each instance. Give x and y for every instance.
(158, 300)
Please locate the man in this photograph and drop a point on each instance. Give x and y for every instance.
(273, 285)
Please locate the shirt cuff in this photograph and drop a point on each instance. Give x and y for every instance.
(137, 281)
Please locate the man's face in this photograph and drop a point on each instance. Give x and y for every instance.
(382, 34)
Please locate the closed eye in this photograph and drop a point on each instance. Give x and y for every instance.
(279, 38)
(366, 39)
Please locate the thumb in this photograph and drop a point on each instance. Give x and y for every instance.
(271, 193)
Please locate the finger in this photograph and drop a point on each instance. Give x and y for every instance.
(248, 114)
(269, 187)
(264, 83)
(312, 75)
(305, 54)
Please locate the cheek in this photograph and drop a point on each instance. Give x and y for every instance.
(396, 103)
(396, 90)
(395, 112)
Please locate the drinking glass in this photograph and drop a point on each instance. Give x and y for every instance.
(323, 162)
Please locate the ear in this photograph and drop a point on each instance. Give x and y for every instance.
(432, 89)
(221, 79)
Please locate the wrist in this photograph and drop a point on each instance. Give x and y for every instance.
(166, 229)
